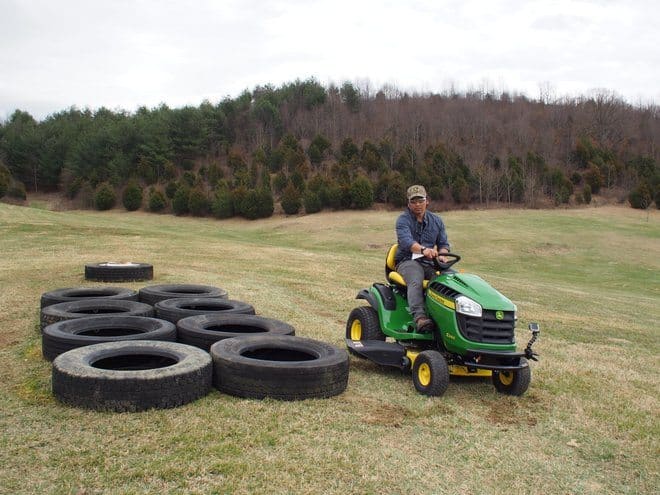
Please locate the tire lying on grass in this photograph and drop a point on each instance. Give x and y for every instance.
(205, 330)
(175, 309)
(156, 293)
(92, 307)
(110, 271)
(279, 366)
(65, 335)
(77, 293)
(132, 376)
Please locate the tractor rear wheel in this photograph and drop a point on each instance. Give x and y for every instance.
(515, 382)
(363, 324)
(430, 373)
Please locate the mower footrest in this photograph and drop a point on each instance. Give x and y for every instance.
(383, 353)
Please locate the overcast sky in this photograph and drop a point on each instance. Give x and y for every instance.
(123, 54)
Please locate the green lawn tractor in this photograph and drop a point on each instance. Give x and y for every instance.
(473, 335)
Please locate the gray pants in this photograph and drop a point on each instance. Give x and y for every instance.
(414, 273)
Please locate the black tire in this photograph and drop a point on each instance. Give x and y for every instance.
(514, 382)
(132, 376)
(109, 271)
(175, 309)
(430, 373)
(363, 324)
(205, 330)
(92, 307)
(71, 334)
(282, 367)
(78, 293)
(156, 293)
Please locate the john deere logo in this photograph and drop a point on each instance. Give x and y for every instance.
(499, 315)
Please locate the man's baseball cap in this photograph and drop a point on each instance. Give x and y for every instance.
(416, 191)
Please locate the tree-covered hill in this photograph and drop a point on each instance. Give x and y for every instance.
(311, 147)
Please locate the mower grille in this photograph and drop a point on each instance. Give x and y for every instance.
(488, 329)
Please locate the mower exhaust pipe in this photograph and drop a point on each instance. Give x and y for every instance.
(529, 353)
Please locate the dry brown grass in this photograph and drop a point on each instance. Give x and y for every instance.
(588, 424)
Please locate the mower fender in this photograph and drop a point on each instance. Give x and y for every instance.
(369, 297)
(385, 294)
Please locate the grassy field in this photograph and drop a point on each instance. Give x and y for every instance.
(588, 424)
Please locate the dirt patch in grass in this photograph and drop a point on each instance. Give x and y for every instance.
(511, 412)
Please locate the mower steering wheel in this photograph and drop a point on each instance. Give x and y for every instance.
(443, 266)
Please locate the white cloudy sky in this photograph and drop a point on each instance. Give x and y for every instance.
(125, 53)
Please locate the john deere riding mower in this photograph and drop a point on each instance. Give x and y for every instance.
(473, 335)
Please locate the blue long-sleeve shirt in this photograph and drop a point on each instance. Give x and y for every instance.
(429, 232)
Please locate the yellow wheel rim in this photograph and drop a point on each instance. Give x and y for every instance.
(506, 377)
(424, 374)
(356, 330)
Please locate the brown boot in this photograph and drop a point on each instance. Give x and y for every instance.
(424, 324)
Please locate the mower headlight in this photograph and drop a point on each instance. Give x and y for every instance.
(467, 306)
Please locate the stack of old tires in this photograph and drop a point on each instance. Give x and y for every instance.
(166, 345)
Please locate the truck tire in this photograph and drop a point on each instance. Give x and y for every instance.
(70, 334)
(109, 271)
(282, 367)
(205, 330)
(175, 309)
(77, 293)
(156, 293)
(92, 307)
(131, 376)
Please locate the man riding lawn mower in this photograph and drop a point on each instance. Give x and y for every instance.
(456, 325)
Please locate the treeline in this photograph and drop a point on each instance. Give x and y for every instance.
(310, 147)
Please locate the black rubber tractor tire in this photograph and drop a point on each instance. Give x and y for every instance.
(363, 324)
(430, 373)
(77, 293)
(109, 271)
(514, 382)
(282, 367)
(175, 309)
(132, 375)
(92, 307)
(70, 334)
(156, 293)
(205, 330)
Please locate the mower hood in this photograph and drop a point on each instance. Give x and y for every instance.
(478, 290)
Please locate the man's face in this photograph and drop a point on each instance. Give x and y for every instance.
(417, 205)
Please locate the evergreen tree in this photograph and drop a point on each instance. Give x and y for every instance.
(157, 200)
(180, 200)
(104, 197)
(222, 205)
(362, 193)
(312, 202)
(198, 202)
(291, 200)
(132, 196)
(5, 178)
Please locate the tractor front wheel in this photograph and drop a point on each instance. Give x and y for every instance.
(430, 373)
(515, 382)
